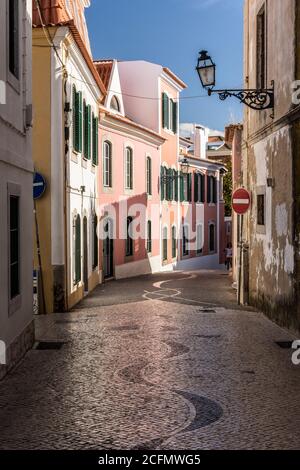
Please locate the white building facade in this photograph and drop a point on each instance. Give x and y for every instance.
(16, 182)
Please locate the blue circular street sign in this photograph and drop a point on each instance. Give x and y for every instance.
(39, 185)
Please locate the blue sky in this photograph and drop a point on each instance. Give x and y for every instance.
(171, 33)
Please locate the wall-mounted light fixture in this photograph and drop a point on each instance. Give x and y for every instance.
(257, 99)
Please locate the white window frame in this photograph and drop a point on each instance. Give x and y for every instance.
(105, 171)
(11, 78)
(128, 187)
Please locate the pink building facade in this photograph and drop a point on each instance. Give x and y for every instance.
(128, 187)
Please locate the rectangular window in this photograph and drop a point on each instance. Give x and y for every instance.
(129, 240)
(211, 189)
(129, 169)
(185, 250)
(165, 111)
(260, 209)
(107, 164)
(212, 238)
(149, 237)
(149, 176)
(95, 140)
(77, 120)
(261, 49)
(13, 37)
(14, 243)
(87, 131)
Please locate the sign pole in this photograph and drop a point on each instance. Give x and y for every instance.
(241, 220)
(39, 257)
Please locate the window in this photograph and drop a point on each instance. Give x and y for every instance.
(261, 49)
(95, 122)
(149, 176)
(129, 168)
(107, 164)
(149, 236)
(211, 189)
(13, 37)
(165, 244)
(77, 248)
(185, 250)
(95, 241)
(169, 113)
(14, 243)
(212, 236)
(129, 240)
(199, 239)
(260, 209)
(186, 187)
(174, 242)
(77, 120)
(114, 104)
(174, 186)
(199, 187)
(87, 130)
(163, 182)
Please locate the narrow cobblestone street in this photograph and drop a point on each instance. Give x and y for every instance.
(159, 362)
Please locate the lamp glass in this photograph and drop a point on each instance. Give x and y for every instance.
(207, 75)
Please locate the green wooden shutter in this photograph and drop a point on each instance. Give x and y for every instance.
(174, 117)
(90, 131)
(75, 106)
(208, 190)
(165, 110)
(215, 190)
(79, 119)
(189, 182)
(95, 139)
(162, 185)
(202, 192)
(181, 187)
(176, 186)
(196, 187)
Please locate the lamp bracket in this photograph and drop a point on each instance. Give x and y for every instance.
(253, 98)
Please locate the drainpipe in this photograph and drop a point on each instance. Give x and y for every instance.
(67, 110)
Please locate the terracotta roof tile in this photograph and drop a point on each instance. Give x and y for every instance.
(53, 13)
(104, 69)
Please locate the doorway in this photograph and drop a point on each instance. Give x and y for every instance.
(85, 256)
(108, 250)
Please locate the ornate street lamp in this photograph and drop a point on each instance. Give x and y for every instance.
(257, 99)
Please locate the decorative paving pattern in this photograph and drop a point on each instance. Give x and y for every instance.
(153, 375)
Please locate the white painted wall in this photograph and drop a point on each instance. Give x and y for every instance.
(140, 78)
(16, 168)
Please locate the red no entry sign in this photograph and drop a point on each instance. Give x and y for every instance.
(241, 200)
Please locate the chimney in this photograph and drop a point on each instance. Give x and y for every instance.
(199, 142)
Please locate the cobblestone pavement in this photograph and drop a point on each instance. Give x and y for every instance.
(163, 373)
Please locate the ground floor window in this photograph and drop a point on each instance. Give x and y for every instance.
(165, 244)
(185, 250)
(212, 238)
(129, 240)
(95, 241)
(77, 248)
(149, 236)
(14, 243)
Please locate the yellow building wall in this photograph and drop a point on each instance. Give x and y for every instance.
(41, 81)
